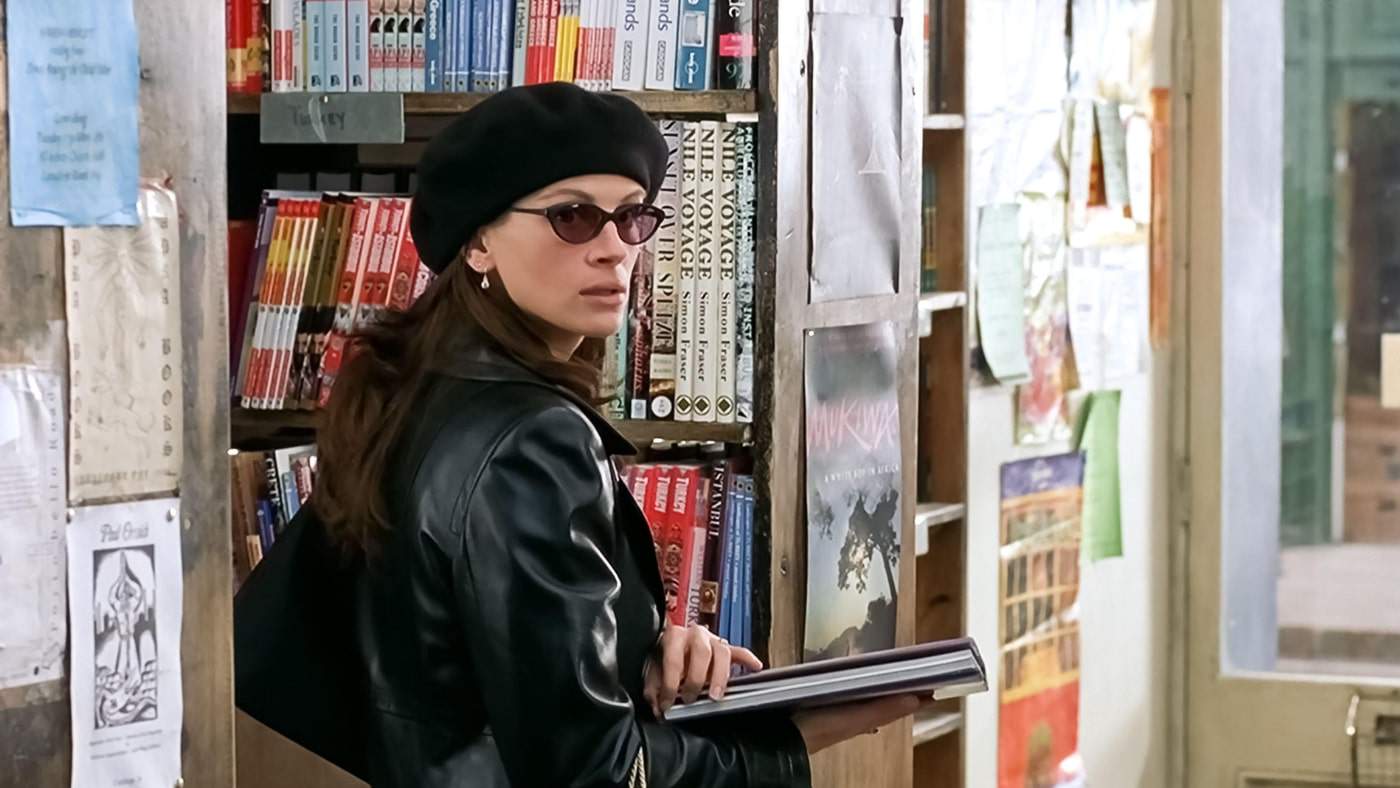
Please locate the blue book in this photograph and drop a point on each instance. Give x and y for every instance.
(481, 36)
(746, 582)
(446, 48)
(432, 47)
(729, 562)
(694, 40)
(265, 519)
(505, 44)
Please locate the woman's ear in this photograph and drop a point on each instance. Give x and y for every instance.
(478, 257)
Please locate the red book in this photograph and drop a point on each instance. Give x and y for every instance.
(406, 268)
(685, 537)
(669, 550)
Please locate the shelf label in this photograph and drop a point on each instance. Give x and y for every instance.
(332, 118)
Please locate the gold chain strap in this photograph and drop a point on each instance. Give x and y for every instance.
(638, 777)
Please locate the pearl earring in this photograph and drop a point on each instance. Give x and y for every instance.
(485, 282)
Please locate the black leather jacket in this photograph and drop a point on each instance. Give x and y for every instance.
(504, 630)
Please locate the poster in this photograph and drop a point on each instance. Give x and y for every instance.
(125, 592)
(74, 157)
(32, 510)
(123, 293)
(856, 158)
(1041, 408)
(1038, 723)
(1001, 297)
(854, 480)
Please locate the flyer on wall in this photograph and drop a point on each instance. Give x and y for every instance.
(125, 592)
(854, 478)
(1038, 723)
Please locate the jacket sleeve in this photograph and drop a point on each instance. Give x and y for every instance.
(537, 592)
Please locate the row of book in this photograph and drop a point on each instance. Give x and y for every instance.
(686, 352)
(321, 265)
(701, 519)
(269, 488)
(461, 46)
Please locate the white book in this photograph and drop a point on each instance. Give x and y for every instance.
(299, 37)
(404, 25)
(336, 41)
(662, 25)
(665, 281)
(317, 45)
(726, 220)
(376, 45)
(283, 50)
(746, 204)
(418, 81)
(357, 45)
(608, 31)
(521, 40)
(588, 44)
(688, 253)
(707, 228)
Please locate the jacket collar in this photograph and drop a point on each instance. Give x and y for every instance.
(481, 361)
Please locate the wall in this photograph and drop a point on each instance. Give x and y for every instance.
(1124, 693)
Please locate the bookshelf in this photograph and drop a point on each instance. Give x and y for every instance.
(946, 325)
(657, 102)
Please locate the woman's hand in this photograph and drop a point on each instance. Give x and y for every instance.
(688, 658)
(824, 727)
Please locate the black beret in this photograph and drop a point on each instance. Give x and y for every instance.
(517, 142)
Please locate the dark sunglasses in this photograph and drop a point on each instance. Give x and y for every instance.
(580, 222)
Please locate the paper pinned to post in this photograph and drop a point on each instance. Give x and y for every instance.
(1001, 297)
(33, 621)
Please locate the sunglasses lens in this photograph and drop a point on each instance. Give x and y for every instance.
(576, 224)
(637, 223)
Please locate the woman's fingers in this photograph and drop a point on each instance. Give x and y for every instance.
(742, 656)
(673, 661)
(698, 657)
(719, 669)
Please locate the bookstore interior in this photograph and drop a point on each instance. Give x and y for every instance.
(1032, 358)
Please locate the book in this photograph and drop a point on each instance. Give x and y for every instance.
(668, 552)
(639, 334)
(685, 542)
(317, 45)
(715, 519)
(734, 44)
(729, 564)
(520, 43)
(236, 21)
(417, 57)
(705, 323)
(661, 46)
(744, 604)
(432, 47)
(746, 249)
(665, 281)
(726, 311)
(337, 62)
(284, 28)
(615, 373)
(942, 670)
(377, 22)
(687, 249)
(695, 38)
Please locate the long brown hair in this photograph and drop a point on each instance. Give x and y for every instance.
(386, 370)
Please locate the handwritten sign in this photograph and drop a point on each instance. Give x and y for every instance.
(345, 118)
(73, 74)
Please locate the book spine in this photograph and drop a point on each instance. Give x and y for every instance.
(714, 546)
(665, 283)
(283, 46)
(615, 373)
(729, 590)
(550, 52)
(405, 46)
(290, 309)
(256, 329)
(747, 250)
(726, 218)
(695, 39)
(745, 632)
(286, 239)
(274, 496)
(669, 554)
(357, 46)
(418, 68)
(639, 341)
(299, 38)
(336, 62)
(699, 513)
(735, 44)
(316, 45)
(326, 300)
(520, 42)
(235, 46)
(681, 539)
(406, 268)
(505, 43)
(583, 58)
(301, 343)
(391, 45)
(461, 47)
(432, 47)
(253, 48)
(661, 46)
(688, 248)
(267, 529)
(267, 215)
(450, 31)
(376, 46)
(608, 56)
(706, 314)
(347, 295)
(481, 31)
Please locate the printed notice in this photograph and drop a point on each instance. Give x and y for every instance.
(33, 628)
(125, 593)
(1001, 295)
(74, 156)
(124, 354)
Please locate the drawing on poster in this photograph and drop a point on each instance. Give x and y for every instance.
(124, 644)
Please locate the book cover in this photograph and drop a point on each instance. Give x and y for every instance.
(285, 239)
(716, 515)
(258, 308)
(301, 341)
(697, 515)
(681, 544)
(404, 21)
(665, 281)
(668, 554)
(687, 250)
(348, 293)
(747, 250)
(705, 326)
(639, 334)
(254, 288)
(854, 480)
(324, 313)
(243, 241)
(289, 312)
(432, 47)
(317, 45)
(695, 38)
(337, 63)
(260, 48)
(735, 44)
(661, 45)
(406, 268)
(320, 289)
(726, 222)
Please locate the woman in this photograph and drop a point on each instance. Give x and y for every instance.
(506, 604)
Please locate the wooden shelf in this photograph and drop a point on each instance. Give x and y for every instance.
(929, 726)
(255, 424)
(944, 122)
(938, 302)
(930, 515)
(660, 102)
